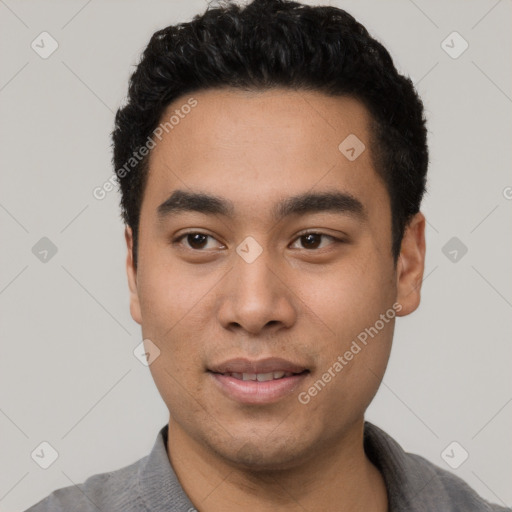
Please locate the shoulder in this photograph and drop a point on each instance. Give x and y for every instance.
(113, 491)
(450, 490)
(415, 484)
(147, 484)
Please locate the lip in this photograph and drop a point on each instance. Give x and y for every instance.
(255, 392)
(271, 364)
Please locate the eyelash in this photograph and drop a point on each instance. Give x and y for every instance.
(335, 240)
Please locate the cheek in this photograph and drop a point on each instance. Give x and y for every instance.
(350, 304)
(170, 308)
(177, 388)
(351, 295)
(169, 296)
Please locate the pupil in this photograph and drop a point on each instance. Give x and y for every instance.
(196, 239)
(312, 237)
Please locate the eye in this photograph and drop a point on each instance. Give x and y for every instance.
(313, 240)
(195, 240)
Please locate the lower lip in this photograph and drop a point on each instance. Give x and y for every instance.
(255, 392)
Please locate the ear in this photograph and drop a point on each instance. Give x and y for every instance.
(131, 272)
(410, 265)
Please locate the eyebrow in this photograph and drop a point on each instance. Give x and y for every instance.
(309, 202)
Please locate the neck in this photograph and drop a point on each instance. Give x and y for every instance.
(337, 478)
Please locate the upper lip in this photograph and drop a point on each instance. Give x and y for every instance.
(272, 364)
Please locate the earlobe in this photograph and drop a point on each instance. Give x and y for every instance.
(131, 273)
(411, 265)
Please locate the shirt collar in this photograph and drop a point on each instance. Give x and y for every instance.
(159, 486)
(404, 482)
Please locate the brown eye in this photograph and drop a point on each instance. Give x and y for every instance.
(197, 241)
(313, 240)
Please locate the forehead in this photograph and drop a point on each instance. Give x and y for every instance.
(256, 146)
(302, 122)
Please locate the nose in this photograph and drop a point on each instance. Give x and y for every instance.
(257, 298)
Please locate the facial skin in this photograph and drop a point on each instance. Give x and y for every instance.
(303, 300)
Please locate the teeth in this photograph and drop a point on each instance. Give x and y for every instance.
(260, 377)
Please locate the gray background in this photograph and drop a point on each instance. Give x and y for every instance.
(68, 375)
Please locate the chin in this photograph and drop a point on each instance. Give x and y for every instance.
(265, 455)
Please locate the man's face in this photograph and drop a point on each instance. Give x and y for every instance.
(220, 307)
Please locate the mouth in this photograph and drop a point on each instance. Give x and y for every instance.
(258, 382)
(262, 377)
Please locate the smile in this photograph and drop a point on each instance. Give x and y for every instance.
(260, 377)
(258, 388)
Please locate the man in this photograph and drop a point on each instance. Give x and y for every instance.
(272, 163)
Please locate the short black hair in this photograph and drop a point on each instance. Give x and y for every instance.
(276, 43)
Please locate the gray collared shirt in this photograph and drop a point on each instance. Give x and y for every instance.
(150, 484)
